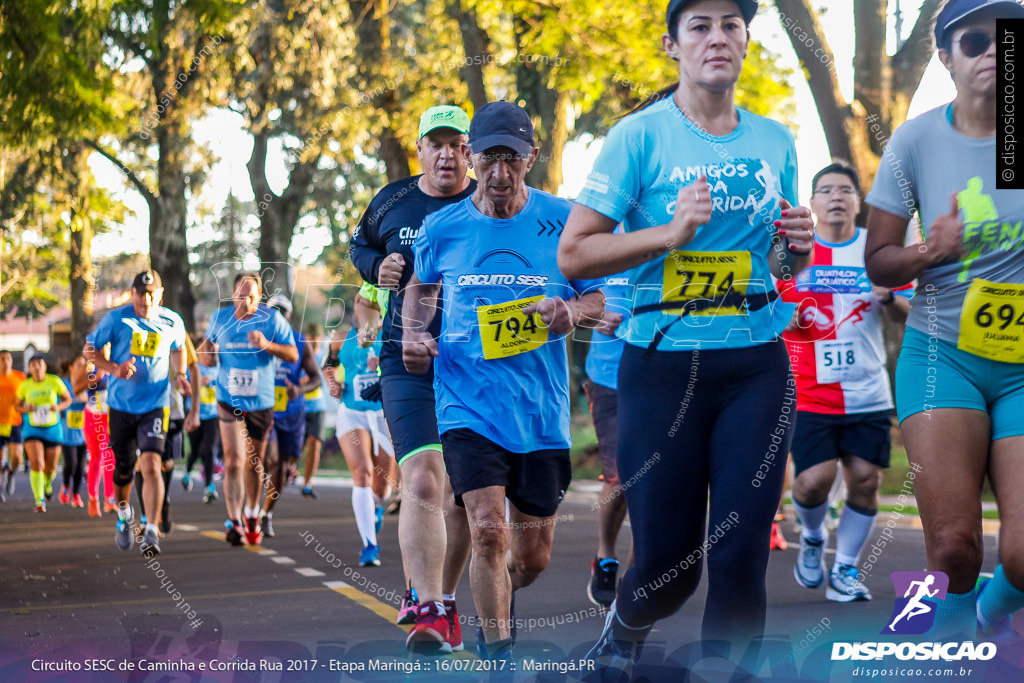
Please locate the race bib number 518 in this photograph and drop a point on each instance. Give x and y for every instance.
(992, 321)
(505, 331)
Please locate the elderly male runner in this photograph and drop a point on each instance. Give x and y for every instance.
(501, 375)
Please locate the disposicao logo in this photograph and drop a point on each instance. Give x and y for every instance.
(917, 596)
(914, 613)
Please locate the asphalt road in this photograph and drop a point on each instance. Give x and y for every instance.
(73, 607)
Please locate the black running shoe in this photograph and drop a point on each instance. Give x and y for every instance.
(232, 533)
(601, 589)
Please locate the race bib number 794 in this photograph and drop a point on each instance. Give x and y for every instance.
(505, 331)
(992, 321)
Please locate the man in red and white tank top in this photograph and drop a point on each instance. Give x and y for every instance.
(844, 401)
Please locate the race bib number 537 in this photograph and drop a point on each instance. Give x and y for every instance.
(505, 331)
(992, 321)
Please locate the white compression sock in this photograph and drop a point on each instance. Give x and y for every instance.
(362, 506)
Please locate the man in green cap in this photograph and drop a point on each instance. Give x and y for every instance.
(432, 530)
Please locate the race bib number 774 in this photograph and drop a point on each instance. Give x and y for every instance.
(693, 275)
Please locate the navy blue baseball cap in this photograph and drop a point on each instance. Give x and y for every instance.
(748, 8)
(955, 11)
(501, 124)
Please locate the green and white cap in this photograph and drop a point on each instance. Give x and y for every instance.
(444, 116)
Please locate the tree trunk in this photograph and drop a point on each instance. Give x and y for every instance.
(474, 44)
(374, 60)
(168, 246)
(83, 284)
(883, 84)
(394, 156)
(551, 108)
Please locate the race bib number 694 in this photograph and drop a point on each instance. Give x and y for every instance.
(992, 321)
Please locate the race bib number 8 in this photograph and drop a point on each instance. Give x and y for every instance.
(43, 416)
(505, 331)
(992, 321)
(145, 343)
(838, 360)
(280, 399)
(76, 419)
(243, 382)
(693, 275)
(208, 395)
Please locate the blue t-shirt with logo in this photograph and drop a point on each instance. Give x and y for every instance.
(605, 351)
(73, 419)
(645, 159)
(245, 376)
(150, 342)
(499, 373)
(354, 359)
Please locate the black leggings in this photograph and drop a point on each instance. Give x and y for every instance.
(203, 442)
(689, 422)
(74, 466)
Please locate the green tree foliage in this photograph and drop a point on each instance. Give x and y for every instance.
(54, 93)
(166, 56)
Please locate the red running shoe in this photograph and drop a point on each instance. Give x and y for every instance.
(777, 540)
(77, 502)
(431, 632)
(64, 497)
(253, 532)
(454, 627)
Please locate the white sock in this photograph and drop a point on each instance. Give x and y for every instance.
(812, 519)
(248, 511)
(124, 514)
(854, 528)
(448, 597)
(151, 527)
(362, 506)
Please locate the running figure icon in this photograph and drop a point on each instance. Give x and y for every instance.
(915, 606)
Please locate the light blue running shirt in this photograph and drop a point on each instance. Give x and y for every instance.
(354, 359)
(604, 351)
(149, 341)
(499, 373)
(245, 377)
(645, 159)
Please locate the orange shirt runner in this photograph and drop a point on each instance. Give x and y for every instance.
(8, 388)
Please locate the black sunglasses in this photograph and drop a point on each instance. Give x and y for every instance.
(975, 43)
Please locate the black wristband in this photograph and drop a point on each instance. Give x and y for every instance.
(892, 297)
